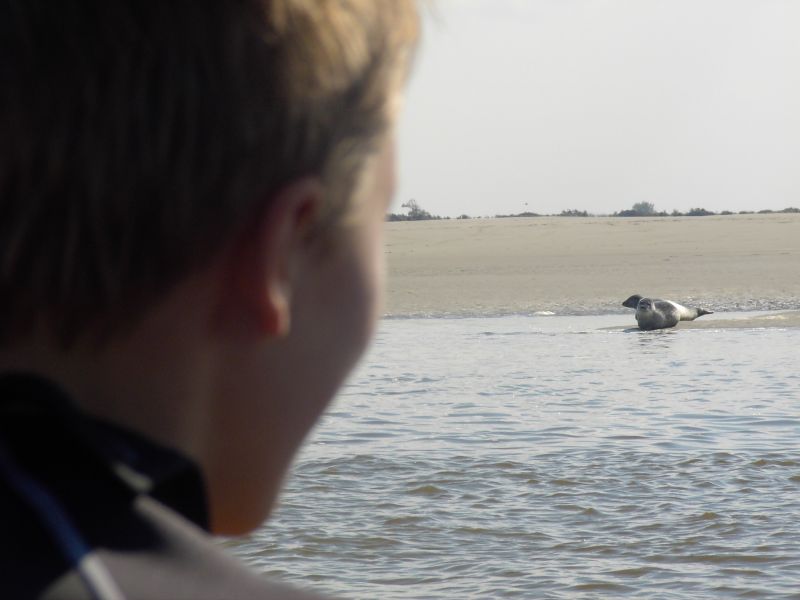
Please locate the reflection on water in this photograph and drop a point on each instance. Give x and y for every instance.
(652, 342)
(549, 457)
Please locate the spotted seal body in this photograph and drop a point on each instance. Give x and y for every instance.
(661, 314)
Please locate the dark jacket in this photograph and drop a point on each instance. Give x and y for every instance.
(91, 511)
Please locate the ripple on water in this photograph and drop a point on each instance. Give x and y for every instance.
(558, 465)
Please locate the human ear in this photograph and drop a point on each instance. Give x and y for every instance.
(272, 252)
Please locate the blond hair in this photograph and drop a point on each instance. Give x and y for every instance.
(139, 137)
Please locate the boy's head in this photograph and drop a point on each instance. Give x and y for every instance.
(180, 179)
(137, 139)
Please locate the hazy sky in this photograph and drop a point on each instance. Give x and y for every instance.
(546, 105)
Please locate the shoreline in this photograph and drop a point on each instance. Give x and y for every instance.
(768, 319)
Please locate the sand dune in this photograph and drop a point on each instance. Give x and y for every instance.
(589, 265)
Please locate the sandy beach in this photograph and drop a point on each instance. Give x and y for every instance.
(589, 265)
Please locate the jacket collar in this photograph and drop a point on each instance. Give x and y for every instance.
(31, 404)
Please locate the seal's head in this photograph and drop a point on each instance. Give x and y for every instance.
(633, 301)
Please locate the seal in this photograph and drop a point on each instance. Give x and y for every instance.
(661, 314)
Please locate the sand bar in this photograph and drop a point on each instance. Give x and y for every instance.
(589, 265)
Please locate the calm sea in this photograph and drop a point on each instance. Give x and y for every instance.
(550, 457)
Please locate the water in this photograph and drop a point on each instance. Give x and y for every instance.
(550, 457)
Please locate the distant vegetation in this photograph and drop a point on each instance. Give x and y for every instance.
(767, 211)
(648, 209)
(415, 213)
(639, 209)
(522, 214)
(698, 212)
